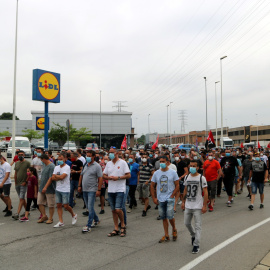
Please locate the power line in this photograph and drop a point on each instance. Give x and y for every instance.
(183, 119)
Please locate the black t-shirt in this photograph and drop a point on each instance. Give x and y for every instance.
(258, 170)
(76, 166)
(242, 158)
(181, 165)
(186, 160)
(228, 165)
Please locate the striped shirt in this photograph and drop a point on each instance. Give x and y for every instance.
(145, 172)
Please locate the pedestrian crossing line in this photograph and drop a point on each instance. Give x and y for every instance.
(217, 248)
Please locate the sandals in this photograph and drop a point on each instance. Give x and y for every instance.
(174, 235)
(164, 239)
(124, 232)
(113, 233)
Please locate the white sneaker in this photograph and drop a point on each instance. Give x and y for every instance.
(180, 202)
(74, 219)
(58, 225)
(129, 210)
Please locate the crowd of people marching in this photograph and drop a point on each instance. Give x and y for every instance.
(192, 180)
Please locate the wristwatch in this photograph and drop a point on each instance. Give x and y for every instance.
(119, 178)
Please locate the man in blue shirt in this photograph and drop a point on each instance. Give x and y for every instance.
(133, 181)
(167, 184)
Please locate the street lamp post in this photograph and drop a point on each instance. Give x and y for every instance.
(221, 104)
(14, 88)
(216, 111)
(206, 124)
(257, 131)
(100, 123)
(167, 120)
(171, 122)
(148, 124)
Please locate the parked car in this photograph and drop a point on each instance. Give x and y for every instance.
(70, 146)
(54, 146)
(186, 147)
(89, 146)
(3, 146)
(21, 143)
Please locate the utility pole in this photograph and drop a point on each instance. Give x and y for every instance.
(183, 119)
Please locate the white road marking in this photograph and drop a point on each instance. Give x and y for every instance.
(2, 224)
(210, 252)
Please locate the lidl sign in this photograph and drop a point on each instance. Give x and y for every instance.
(40, 123)
(46, 86)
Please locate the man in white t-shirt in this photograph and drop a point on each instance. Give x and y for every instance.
(194, 203)
(37, 163)
(116, 172)
(80, 157)
(61, 175)
(5, 184)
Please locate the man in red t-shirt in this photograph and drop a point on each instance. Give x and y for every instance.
(16, 158)
(212, 172)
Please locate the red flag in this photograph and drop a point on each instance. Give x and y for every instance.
(259, 146)
(154, 146)
(210, 142)
(268, 145)
(242, 146)
(124, 143)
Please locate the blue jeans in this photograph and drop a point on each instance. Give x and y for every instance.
(73, 186)
(61, 197)
(89, 198)
(124, 204)
(166, 209)
(116, 200)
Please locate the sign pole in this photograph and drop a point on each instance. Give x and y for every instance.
(46, 129)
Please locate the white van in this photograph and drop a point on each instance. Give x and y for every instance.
(21, 143)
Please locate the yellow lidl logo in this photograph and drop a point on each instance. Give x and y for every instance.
(48, 86)
(41, 123)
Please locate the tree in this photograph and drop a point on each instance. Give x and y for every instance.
(7, 116)
(141, 140)
(32, 134)
(4, 134)
(58, 134)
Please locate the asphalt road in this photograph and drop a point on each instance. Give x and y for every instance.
(40, 246)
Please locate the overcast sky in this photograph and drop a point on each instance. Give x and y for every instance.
(148, 53)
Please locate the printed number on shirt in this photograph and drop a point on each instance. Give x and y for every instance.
(192, 191)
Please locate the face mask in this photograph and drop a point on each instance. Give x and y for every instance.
(130, 160)
(237, 152)
(150, 155)
(88, 159)
(111, 156)
(156, 155)
(21, 158)
(126, 155)
(28, 173)
(38, 154)
(35, 152)
(106, 161)
(195, 158)
(228, 154)
(210, 157)
(176, 158)
(192, 170)
(162, 165)
(60, 162)
(257, 159)
(144, 160)
(182, 157)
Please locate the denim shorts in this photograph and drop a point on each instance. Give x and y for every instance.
(62, 197)
(116, 200)
(254, 187)
(236, 179)
(21, 191)
(165, 209)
